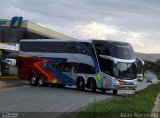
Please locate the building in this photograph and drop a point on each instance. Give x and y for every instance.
(12, 31)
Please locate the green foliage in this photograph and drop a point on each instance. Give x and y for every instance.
(149, 65)
(153, 66)
(141, 102)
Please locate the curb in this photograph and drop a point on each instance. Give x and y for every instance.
(157, 104)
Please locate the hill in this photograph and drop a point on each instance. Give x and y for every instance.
(148, 57)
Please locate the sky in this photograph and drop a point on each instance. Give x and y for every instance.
(133, 21)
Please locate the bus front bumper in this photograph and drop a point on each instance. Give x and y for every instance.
(125, 85)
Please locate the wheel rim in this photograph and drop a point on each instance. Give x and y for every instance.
(80, 83)
(41, 81)
(92, 84)
(33, 79)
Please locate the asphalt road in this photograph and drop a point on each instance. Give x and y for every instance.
(46, 99)
(26, 98)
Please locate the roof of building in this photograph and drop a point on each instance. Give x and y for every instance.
(33, 27)
(46, 31)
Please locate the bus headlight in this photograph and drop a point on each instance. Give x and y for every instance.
(120, 81)
(104, 82)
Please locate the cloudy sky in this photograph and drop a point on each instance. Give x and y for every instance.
(133, 21)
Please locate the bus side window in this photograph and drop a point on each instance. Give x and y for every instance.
(106, 51)
(98, 51)
(105, 65)
(84, 52)
(72, 49)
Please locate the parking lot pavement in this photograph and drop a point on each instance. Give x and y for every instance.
(7, 82)
(4, 85)
(47, 99)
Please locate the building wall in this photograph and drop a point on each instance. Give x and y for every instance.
(10, 35)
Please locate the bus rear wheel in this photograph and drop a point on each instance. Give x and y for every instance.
(41, 80)
(115, 91)
(103, 90)
(80, 84)
(93, 85)
(33, 80)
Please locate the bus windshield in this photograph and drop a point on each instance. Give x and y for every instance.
(119, 50)
(121, 70)
(124, 70)
(122, 51)
(108, 51)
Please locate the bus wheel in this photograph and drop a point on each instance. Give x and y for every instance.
(103, 90)
(41, 80)
(80, 84)
(93, 85)
(115, 91)
(33, 80)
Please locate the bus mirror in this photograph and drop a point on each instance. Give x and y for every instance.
(115, 62)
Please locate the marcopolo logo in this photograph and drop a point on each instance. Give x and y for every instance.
(16, 21)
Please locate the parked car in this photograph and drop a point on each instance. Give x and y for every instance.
(10, 61)
(4, 69)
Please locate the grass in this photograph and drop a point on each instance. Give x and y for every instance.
(140, 102)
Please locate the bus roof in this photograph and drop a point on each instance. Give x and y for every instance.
(72, 40)
(109, 41)
(54, 40)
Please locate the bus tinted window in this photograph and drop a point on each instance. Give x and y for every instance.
(55, 47)
(85, 48)
(105, 65)
(102, 49)
(123, 51)
(115, 49)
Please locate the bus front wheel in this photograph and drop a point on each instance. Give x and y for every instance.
(93, 85)
(115, 91)
(33, 80)
(103, 90)
(80, 84)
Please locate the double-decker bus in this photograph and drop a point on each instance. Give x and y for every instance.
(92, 64)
